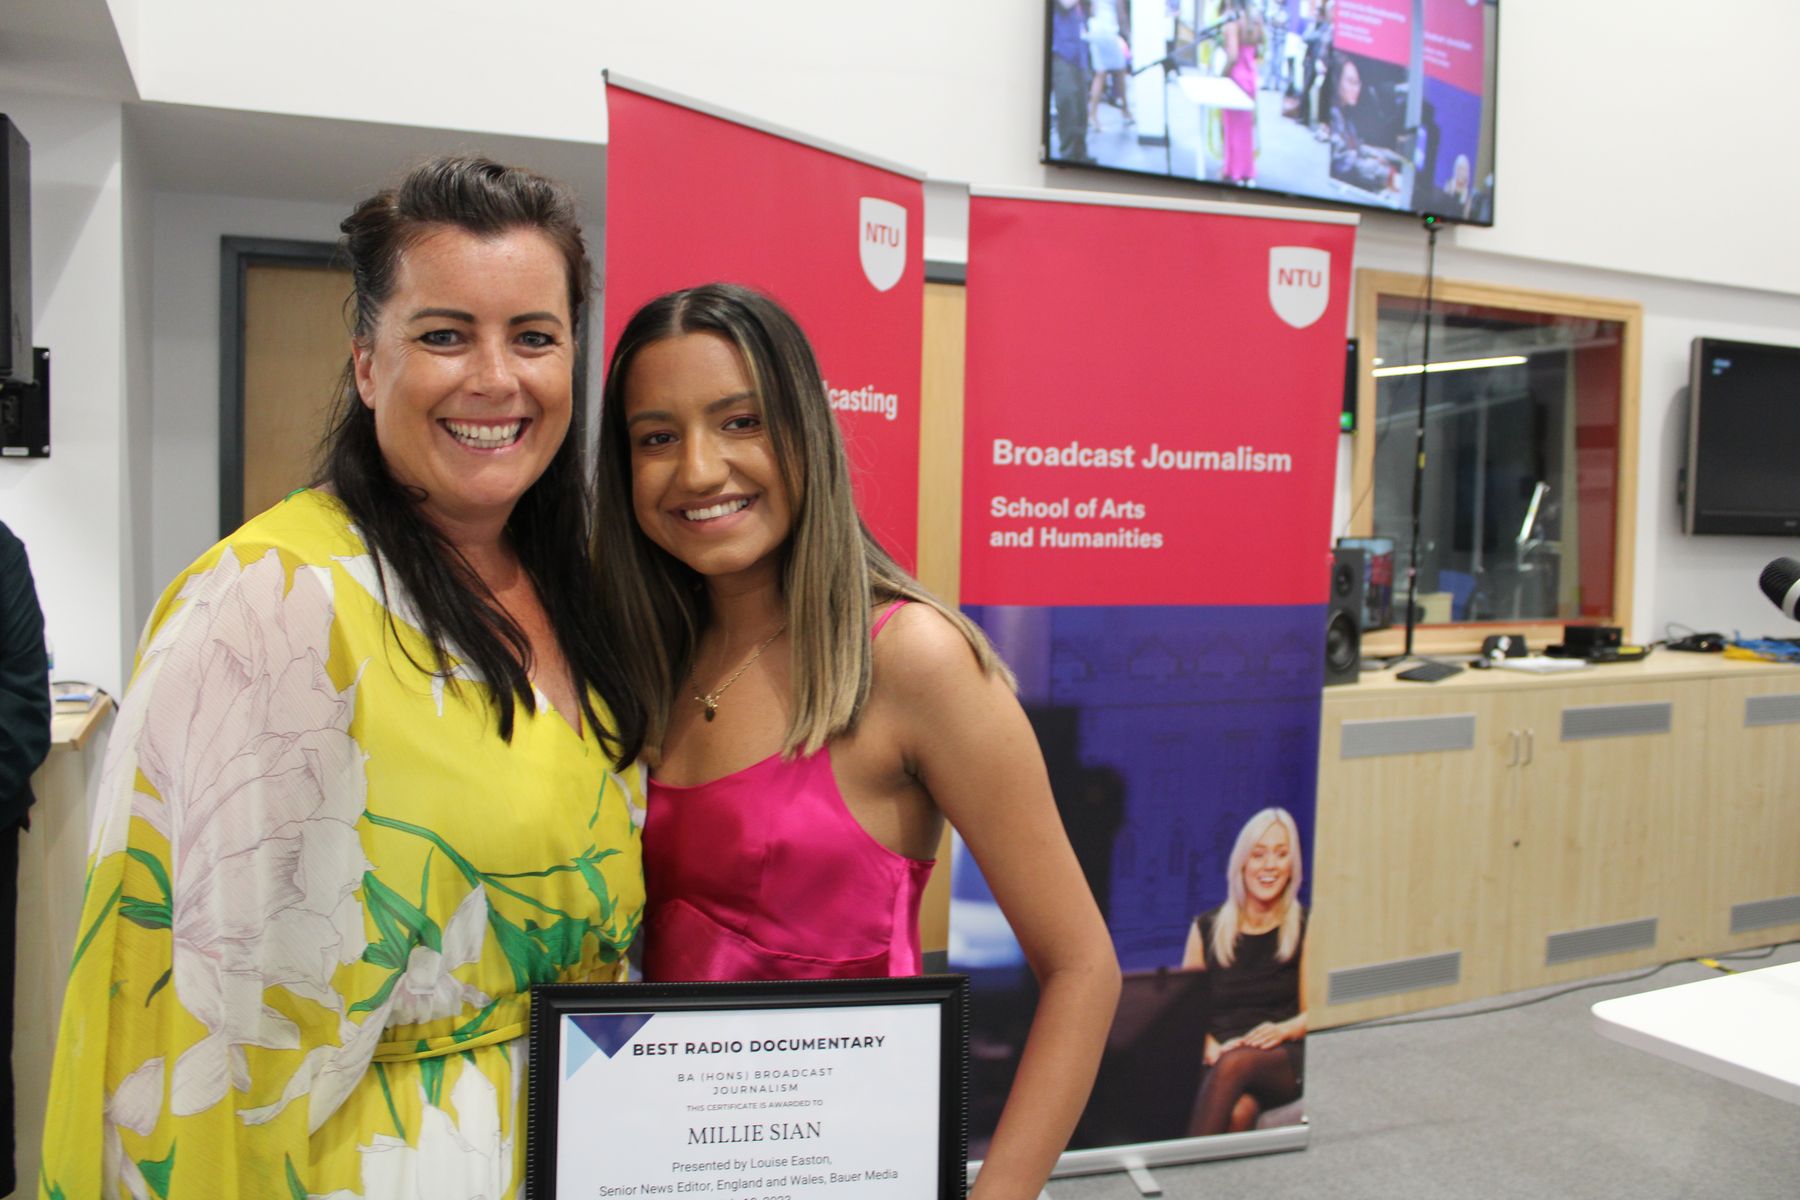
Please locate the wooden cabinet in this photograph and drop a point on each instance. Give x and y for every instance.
(1408, 852)
(52, 866)
(1753, 821)
(1608, 806)
(1501, 831)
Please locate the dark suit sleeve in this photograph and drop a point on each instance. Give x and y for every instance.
(24, 681)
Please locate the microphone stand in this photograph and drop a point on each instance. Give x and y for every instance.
(1171, 68)
(1418, 490)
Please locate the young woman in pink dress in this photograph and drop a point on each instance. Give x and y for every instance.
(1242, 37)
(815, 714)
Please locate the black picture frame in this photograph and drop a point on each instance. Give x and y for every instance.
(551, 1002)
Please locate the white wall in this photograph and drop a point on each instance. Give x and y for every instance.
(1649, 136)
(447, 64)
(67, 507)
(1620, 121)
(125, 16)
(932, 83)
(136, 483)
(185, 354)
(1621, 175)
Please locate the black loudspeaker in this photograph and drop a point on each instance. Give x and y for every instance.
(15, 254)
(1343, 622)
(25, 413)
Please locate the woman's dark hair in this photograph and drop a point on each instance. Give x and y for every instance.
(550, 525)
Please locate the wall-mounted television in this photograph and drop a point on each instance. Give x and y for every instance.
(1743, 427)
(1385, 104)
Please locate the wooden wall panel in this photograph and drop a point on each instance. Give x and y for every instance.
(940, 515)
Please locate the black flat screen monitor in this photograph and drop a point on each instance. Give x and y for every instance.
(1743, 475)
(1385, 106)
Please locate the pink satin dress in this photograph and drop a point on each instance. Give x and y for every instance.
(1240, 123)
(765, 874)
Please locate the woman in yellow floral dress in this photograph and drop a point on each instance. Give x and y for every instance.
(374, 776)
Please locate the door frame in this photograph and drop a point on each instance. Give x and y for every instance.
(236, 256)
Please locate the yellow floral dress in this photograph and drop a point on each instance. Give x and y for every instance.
(319, 886)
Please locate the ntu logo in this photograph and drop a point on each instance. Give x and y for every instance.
(881, 237)
(1299, 283)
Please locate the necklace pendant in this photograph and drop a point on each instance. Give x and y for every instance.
(712, 709)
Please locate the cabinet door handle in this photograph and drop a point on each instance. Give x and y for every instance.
(1512, 739)
(1529, 748)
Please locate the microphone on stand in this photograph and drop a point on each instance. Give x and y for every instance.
(1781, 584)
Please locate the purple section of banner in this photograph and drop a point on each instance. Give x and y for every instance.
(1166, 731)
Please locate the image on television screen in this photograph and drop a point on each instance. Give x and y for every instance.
(1371, 103)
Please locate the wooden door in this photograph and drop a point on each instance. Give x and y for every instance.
(1609, 829)
(1753, 810)
(295, 343)
(1407, 874)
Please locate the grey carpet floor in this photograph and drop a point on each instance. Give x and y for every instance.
(1528, 1102)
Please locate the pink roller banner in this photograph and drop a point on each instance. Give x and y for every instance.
(694, 195)
(1152, 404)
(1150, 448)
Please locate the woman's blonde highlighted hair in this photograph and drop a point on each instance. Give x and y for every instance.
(833, 574)
(1225, 924)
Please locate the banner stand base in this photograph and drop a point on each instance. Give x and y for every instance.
(1136, 1160)
(1145, 1181)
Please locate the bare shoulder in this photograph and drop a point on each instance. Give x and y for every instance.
(920, 654)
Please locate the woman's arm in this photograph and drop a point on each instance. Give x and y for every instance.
(24, 678)
(1273, 1033)
(967, 740)
(1193, 956)
(232, 874)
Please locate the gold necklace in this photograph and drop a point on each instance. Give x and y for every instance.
(710, 701)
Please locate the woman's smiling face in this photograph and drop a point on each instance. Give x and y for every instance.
(705, 482)
(470, 370)
(1267, 868)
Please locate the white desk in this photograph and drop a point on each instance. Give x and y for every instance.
(1214, 91)
(1743, 1027)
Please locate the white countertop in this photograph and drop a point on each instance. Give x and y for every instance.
(1743, 1027)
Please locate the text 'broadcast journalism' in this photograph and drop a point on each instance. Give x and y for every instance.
(1008, 453)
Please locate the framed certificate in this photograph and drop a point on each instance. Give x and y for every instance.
(792, 1090)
